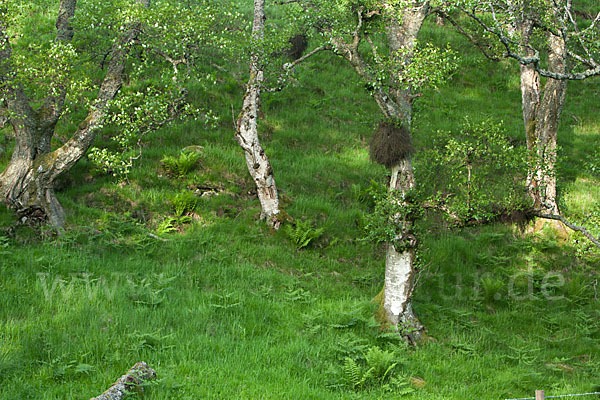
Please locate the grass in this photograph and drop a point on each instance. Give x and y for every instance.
(227, 309)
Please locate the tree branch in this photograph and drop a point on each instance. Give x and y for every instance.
(587, 61)
(287, 67)
(466, 34)
(66, 11)
(535, 59)
(133, 380)
(69, 153)
(574, 227)
(440, 206)
(52, 108)
(4, 116)
(20, 112)
(356, 33)
(373, 48)
(174, 62)
(291, 65)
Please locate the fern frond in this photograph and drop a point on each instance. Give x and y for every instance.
(367, 376)
(303, 233)
(388, 371)
(352, 372)
(182, 165)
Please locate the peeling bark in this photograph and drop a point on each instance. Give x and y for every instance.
(547, 120)
(399, 262)
(396, 105)
(257, 161)
(400, 271)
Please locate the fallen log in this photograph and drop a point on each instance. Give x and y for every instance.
(132, 381)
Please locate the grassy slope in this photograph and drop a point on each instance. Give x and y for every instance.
(228, 309)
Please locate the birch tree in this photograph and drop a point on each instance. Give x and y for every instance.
(393, 76)
(26, 184)
(257, 161)
(527, 31)
(44, 84)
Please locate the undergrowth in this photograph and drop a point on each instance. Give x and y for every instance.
(153, 269)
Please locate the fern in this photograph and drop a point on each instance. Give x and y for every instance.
(377, 369)
(4, 244)
(168, 225)
(350, 346)
(381, 361)
(303, 233)
(187, 161)
(388, 372)
(182, 165)
(399, 386)
(184, 203)
(368, 195)
(352, 373)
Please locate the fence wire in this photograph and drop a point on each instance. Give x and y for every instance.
(556, 397)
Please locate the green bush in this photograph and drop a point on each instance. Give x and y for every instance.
(368, 195)
(477, 173)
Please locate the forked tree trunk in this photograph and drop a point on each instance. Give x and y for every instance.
(257, 161)
(27, 183)
(541, 116)
(543, 187)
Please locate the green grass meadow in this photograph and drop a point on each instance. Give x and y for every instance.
(223, 308)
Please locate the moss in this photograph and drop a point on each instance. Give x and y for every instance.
(390, 144)
(380, 315)
(530, 132)
(283, 217)
(46, 161)
(86, 122)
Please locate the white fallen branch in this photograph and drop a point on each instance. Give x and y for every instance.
(133, 380)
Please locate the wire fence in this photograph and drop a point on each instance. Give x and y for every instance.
(539, 395)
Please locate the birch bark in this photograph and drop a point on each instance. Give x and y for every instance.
(396, 105)
(542, 109)
(257, 161)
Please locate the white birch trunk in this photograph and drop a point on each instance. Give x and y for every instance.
(257, 161)
(396, 105)
(399, 265)
(132, 381)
